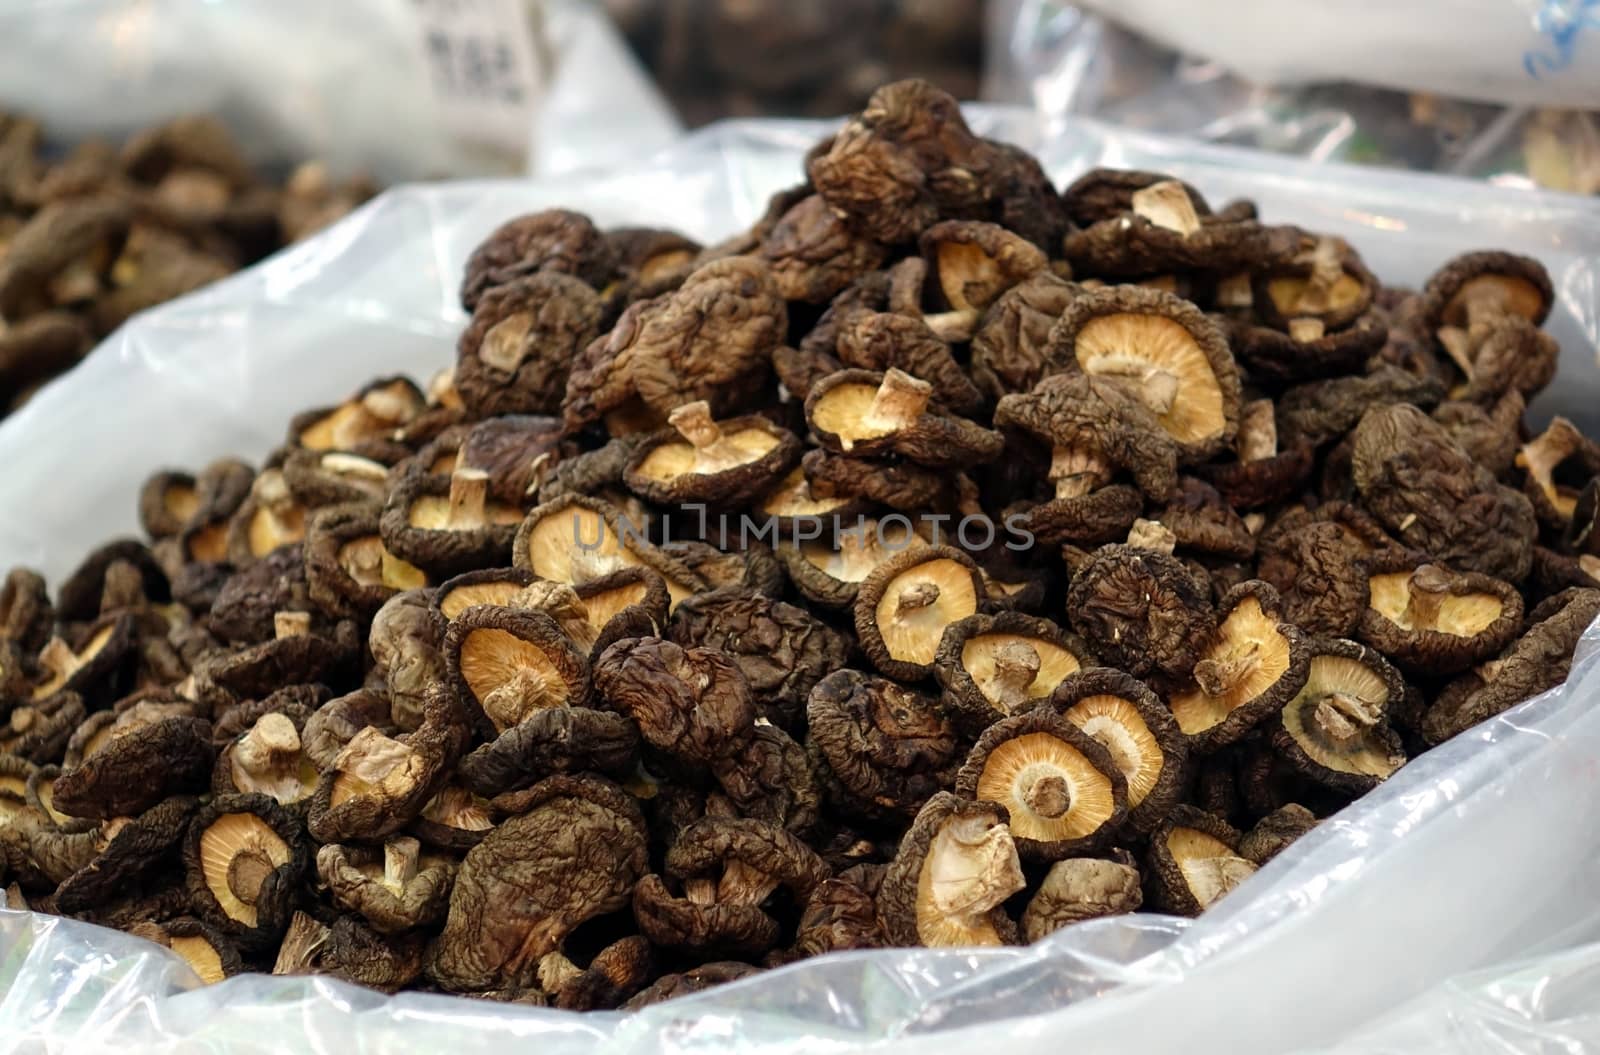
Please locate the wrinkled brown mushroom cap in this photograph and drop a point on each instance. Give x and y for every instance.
(514, 355)
(879, 340)
(573, 539)
(556, 240)
(395, 889)
(880, 749)
(1010, 346)
(138, 765)
(1193, 861)
(904, 606)
(1306, 351)
(1107, 193)
(1163, 231)
(349, 570)
(1062, 788)
(813, 254)
(1327, 282)
(1140, 609)
(363, 423)
(1488, 282)
(1138, 730)
(1335, 730)
(975, 263)
(1252, 665)
(447, 525)
(1275, 832)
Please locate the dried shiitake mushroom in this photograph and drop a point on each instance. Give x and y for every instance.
(889, 573)
(1080, 888)
(904, 606)
(993, 666)
(1062, 788)
(1138, 731)
(947, 884)
(1435, 621)
(1253, 663)
(1166, 353)
(1335, 731)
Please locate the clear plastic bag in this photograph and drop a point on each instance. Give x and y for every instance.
(352, 83)
(1474, 853)
(1060, 58)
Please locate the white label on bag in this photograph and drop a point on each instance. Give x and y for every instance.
(486, 72)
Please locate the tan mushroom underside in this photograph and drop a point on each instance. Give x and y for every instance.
(229, 837)
(1350, 678)
(1248, 636)
(969, 870)
(1509, 293)
(574, 544)
(1208, 866)
(69, 663)
(860, 551)
(668, 461)
(491, 658)
(1463, 615)
(978, 655)
(1139, 347)
(459, 599)
(1014, 766)
(793, 498)
(1118, 725)
(912, 633)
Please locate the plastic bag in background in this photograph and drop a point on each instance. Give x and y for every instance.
(1059, 59)
(1506, 52)
(1479, 850)
(400, 89)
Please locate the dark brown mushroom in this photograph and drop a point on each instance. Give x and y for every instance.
(714, 462)
(395, 889)
(514, 355)
(904, 606)
(349, 571)
(1435, 621)
(874, 340)
(245, 858)
(506, 664)
(994, 666)
(555, 240)
(1138, 730)
(1194, 860)
(1141, 609)
(1078, 889)
(1335, 731)
(863, 413)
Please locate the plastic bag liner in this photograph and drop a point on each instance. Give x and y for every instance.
(1477, 852)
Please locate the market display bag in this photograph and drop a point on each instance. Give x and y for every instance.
(1476, 851)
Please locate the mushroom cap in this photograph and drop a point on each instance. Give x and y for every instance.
(993, 666)
(1272, 355)
(847, 415)
(1204, 522)
(573, 539)
(1252, 665)
(138, 766)
(423, 525)
(1434, 621)
(245, 857)
(1308, 287)
(747, 456)
(131, 849)
(1335, 730)
(1061, 787)
(904, 606)
(1077, 889)
(1140, 609)
(1138, 730)
(507, 664)
(556, 240)
(1168, 354)
(349, 571)
(813, 254)
(552, 741)
(1193, 861)
(955, 867)
(362, 424)
(1133, 244)
(491, 586)
(782, 650)
(1517, 285)
(881, 750)
(390, 887)
(1010, 346)
(514, 355)
(828, 571)
(575, 849)
(1107, 193)
(976, 262)
(691, 704)
(1275, 832)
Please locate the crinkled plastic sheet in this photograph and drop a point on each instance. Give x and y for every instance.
(343, 81)
(1479, 851)
(1061, 58)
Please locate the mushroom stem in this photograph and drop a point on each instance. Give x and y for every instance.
(700, 891)
(270, 743)
(561, 603)
(1234, 291)
(953, 327)
(1152, 534)
(918, 595)
(1590, 564)
(1076, 471)
(387, 406)
(290, 624)
(247, 872)
(1340, 716)
(1016, 665)
(744, 884)
(123, 587)
(400, 858)
(1166, 204)
(1307, 329)
(22, 719)
(1327, 268)
(272, 494)
(1459, 347)
(58, 658)
(1426, 589)
(469, 489)
(1220, 675)
(555, 971)
(695, 424)
(900, 400)
(1258, 431)
(1254, 522)
(1541, 455)
(506, 344)
(1155, 387)
(527, 690)
(1048, 796)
